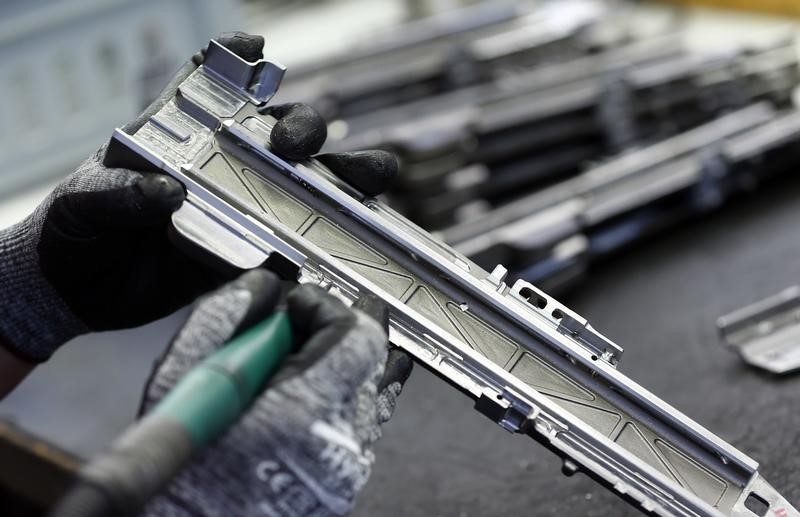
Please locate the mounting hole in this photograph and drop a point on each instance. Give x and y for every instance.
(756, 504)
(594, 358)
(557, 314)
(499, 396)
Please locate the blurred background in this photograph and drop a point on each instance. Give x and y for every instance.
(637, 158)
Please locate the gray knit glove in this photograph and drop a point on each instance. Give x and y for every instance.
(94, 255)
(305, 446)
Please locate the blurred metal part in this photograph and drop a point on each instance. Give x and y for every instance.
(428, 8)
(537, 126)
(615, 171)
(420, 32)
(766, 334)
(632, 196)
(448, 61)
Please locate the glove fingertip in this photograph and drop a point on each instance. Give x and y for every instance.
(299, 133)
(163, 193)
(114, 200)
(371, 172)
(311, 308)
(375, 308)
(399, 366)
(265, 289)
(249, 47)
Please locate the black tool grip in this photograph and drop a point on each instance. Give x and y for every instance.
(123, 480)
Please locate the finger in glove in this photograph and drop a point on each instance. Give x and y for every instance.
(299, 132)
(321, 323)
(374, 307)
(398, 369)
(148, 202)
(216, 318)
(249, 47)
(371, 172)
(398, 362)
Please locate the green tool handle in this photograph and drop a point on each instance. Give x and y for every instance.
(206, 401)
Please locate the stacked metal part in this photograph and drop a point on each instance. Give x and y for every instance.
(542, 140)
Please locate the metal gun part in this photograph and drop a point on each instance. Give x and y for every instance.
(446, 64)
(538, 135)
(539, 78)
(553, 245)
(623, 205)
(425, 31)
(567, 200)
(531, 364)
(766, 334)
(520, 139)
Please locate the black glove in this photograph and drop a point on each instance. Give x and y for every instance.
(371, 172)
(305, 445)
(95, 254)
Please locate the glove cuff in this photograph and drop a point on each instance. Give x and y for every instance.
(34, 320)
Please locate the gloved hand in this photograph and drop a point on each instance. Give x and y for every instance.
(95, 254)
(305, 446)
